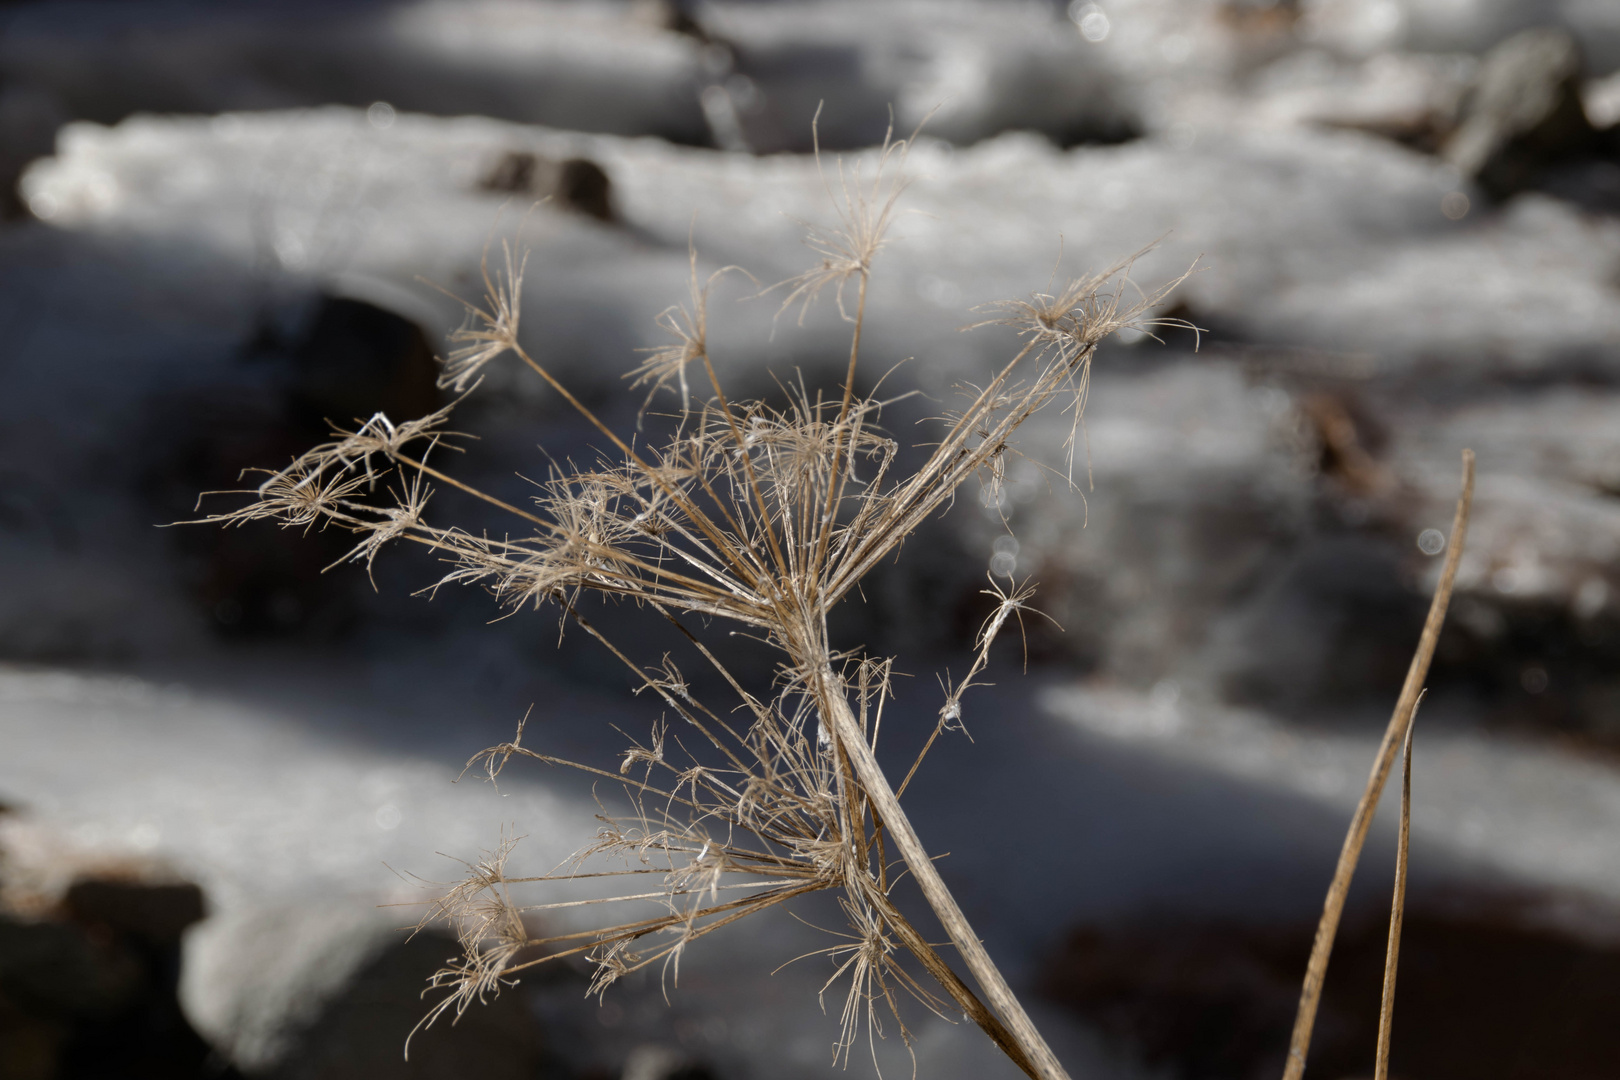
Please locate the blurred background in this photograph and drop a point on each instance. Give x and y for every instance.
(221, 763)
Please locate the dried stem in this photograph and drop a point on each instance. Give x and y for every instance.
(1361, 821)
(1041, 1061)
(1397, 909)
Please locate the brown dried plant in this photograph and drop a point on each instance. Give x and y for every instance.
(764, 517)
(1397, 740)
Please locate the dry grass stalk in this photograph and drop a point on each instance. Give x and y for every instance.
(1397, 909)
(764, 517)
(1395, 735)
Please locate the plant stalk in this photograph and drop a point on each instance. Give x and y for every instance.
(991, 982)
(1397, 910)
(1406, 705)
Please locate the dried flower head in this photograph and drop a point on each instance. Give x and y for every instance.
(759, 516)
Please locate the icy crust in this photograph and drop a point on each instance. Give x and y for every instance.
(1530, 812)
(1368, 26)
(296, 834)
(270, 818)
(633, 68)
(1547, 525)
(1190, 485)
(1334, 240)
(973, 69)
(1327, 250)
(1170, 804)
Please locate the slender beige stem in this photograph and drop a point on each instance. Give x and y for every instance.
(991, 982)
(1397, 909)
(935, 965)
(1316, 970)
(474, 492)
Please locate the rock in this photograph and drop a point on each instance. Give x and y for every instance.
(153, 912)
(1592, 185)
(361, 1030)
(1484, 986)
(1524, 113)
(673, 15)
(87, 979)
(343, 361)
(576, 183)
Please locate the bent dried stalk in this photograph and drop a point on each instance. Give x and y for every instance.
(1360, 822)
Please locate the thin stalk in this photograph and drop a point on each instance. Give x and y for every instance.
(964, 997)
(474, 492)
(991, 982)
(1397, 909)
(1333, 908)
(835, 487)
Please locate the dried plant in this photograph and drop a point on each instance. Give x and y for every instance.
(765, 517)
(1396, 736)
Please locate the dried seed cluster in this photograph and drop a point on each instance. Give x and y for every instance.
(764, 516)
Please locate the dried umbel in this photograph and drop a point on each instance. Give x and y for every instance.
(764, 517)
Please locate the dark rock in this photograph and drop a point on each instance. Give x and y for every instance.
(577, 184)
(356, 359)
(152, 912)
(362, 1030)
(56, 968)
(1591, 185)
(351, 360)
(88, 989)
(318, 990)
(675, 16)
(1348, 435)
(1524, 113)
(1487, 990)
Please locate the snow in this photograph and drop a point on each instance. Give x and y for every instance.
(283, 778)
